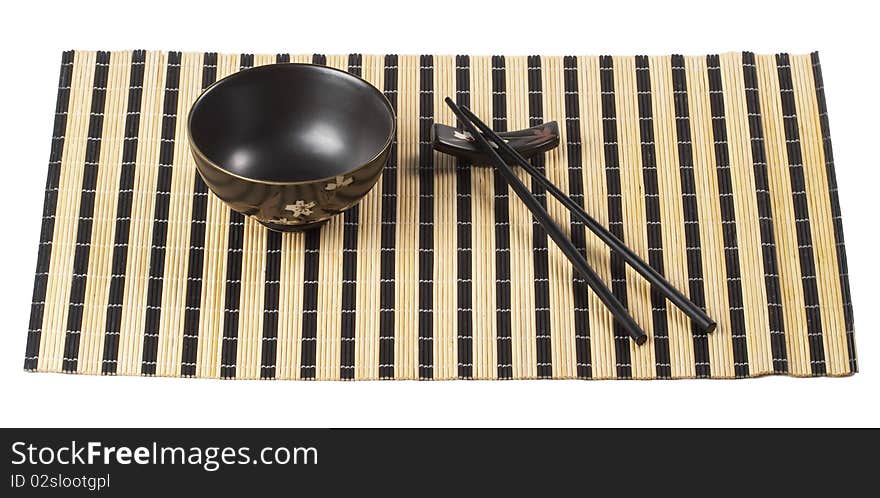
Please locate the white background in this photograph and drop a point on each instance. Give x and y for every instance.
(33, 37)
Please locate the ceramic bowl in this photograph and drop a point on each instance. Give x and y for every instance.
(291, 144)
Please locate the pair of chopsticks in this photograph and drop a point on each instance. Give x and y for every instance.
(482, 134)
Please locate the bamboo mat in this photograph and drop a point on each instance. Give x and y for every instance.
(716, 169)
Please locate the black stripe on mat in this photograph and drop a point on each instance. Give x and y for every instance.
(232, 299)
(271, 292)
(311, 265)
(196, 261)
(502, 228)
(351, 221)
(693, 248)
(765, 215)
(271, 296)
(728, 219)
(80, 269)
(426, 218)
(543, 357)
(50, 203)
(834, 199)
(615, 208)
(802, 217)
(124, 199)
(155, 281)
(580, 291)
(653, 226)
(463, 210)
(388, 233)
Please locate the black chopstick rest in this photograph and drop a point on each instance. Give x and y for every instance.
(618, 310)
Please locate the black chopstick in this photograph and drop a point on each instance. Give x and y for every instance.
(617, 309)
(700, 319)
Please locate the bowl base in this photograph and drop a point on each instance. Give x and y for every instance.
(305, 227)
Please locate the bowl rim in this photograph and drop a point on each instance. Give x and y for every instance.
(267, 67)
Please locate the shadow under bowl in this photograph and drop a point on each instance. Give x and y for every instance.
(291, 144)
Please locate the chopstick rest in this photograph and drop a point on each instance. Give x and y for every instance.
(617, 309)
(702, 321)
(528, 142)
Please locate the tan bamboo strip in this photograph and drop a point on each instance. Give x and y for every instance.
(179, 216)
(369, 251)
(747, 222)
(711, 238)
(483, 234)
(253, 278)
(69, 198)
(290, 299)
(141, 229)
(406, 253)
(66, 216)
(784, 219)
(327, 358)
(290, 307)
(821, 219)
(445, 233)
(100, 254)
(214, 280)
(250, 329)
(602, 350)
(633, 203)
(583, 145)
(681, 348)
(522, 279)
(562, 351)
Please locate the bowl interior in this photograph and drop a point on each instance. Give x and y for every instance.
(291, 123)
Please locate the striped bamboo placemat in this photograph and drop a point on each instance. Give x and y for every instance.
(716, 169)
